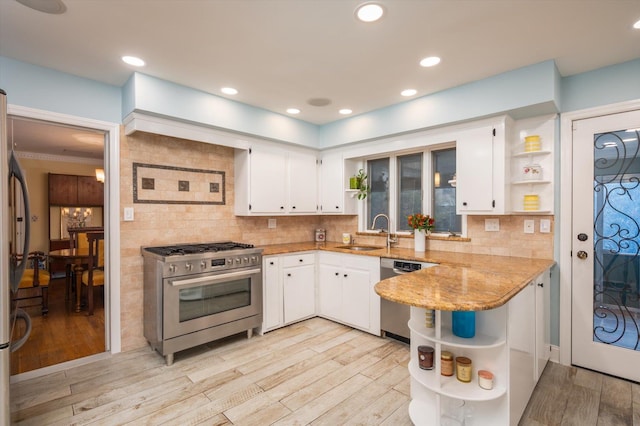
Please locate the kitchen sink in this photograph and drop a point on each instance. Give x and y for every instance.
(360, 248)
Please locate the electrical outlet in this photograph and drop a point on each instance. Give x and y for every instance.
(128, 214)
(271, 223)
(545, 226)
(491, 225)
(529, 226)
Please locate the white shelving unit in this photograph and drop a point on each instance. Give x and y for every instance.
(488, 350)
(543, 187)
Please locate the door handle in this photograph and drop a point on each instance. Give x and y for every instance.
(582, 254)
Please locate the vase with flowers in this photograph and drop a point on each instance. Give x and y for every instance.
(422, 226)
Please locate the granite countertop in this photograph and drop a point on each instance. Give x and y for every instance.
(460, 282)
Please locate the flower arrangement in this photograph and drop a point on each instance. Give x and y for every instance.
(420, 221)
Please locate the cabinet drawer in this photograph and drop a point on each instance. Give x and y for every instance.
(298, 260)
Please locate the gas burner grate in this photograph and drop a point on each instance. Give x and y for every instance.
(182, 249)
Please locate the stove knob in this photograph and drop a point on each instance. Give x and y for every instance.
(188, 266)
(172, 268)
(254, 259)
(203, 265)
(229, 261)
(246, 260)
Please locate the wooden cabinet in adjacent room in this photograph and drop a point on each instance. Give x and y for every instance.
(72, 190)
(90, 191)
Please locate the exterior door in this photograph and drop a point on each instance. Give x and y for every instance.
(606, 244)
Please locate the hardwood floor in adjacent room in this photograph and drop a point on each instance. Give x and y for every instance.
(63, 335)
(314, 372)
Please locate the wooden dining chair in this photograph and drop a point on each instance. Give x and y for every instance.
(77, 239)
(94, 275)
(35, 282)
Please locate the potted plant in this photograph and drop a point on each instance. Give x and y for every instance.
(359, 182)
(422, 226)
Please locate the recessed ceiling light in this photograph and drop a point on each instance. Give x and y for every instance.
(369, 12)
(409, 92)
(430, 61)
(55, 7)
(345, 111)
(637, 25)
(229, 91)
(293, 110)
(134, 61)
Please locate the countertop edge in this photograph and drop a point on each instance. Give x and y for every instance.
(480, 272)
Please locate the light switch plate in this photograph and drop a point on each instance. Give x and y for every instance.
(545, 226)
(271, 223)
(491, 225)
(128, 214)
(529, 226)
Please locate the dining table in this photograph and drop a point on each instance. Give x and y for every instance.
(76, 258)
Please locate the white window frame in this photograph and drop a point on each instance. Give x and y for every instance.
(427, 187)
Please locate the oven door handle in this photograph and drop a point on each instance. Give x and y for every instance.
(213, 278)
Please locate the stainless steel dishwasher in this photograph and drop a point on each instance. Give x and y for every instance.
(394, 317)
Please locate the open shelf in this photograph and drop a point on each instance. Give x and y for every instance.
(530, 182)
(452, 387)
(448, 338)
(530, 153)
(532, 211)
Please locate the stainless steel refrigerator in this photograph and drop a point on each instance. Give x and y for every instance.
(13, 255)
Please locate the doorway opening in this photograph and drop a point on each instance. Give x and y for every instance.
(46, 148)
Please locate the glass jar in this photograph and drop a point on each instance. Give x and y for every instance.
(446, 363)
(425, 357)
(463, 369)
(485, 379)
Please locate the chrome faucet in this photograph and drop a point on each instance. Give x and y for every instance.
(389, 239)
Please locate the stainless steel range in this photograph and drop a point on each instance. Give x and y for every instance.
(197, 293)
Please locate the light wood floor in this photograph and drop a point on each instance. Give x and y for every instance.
(314, 372)
(63, 335)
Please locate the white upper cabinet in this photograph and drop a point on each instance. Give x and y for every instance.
(303, 183)
(481, 171)
(272, 181)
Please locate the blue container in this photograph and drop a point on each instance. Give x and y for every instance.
(463, 323)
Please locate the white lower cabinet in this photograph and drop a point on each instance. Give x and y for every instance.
(543, 321)
(507, 343)
(298, 287)
(345, 290)
(289, 288)
(272, 315)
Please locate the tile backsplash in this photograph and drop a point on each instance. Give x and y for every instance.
(161, 224)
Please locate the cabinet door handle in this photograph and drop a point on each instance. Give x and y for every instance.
(293, 207)
(540, 284)
(301, 260)
(337, 207)
(270, 263)
(288, 275)
(345, 275)
(281, 207)
(337, 273)
(464, 203)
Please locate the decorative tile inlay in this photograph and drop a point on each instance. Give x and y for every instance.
(177, 185)
(148, 183)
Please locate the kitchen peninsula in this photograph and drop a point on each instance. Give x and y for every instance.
(510, 297)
